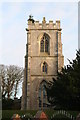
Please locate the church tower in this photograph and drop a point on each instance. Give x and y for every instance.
(43, 60)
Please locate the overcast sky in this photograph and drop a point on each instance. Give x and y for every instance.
(14, 18)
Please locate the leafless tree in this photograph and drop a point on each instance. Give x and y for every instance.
(10, 77)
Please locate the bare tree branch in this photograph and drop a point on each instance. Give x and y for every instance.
(10, 77)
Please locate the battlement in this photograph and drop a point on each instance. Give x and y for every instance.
(44, 25)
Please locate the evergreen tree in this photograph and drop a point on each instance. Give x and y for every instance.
(64, 92)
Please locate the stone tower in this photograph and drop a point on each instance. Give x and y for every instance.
(43, 60)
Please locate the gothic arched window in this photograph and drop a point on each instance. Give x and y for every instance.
(42, 94)
(44, 67)
(44, 44)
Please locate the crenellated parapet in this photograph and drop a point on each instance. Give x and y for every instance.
(44, 25)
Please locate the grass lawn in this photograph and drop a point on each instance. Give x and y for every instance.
(7, 114)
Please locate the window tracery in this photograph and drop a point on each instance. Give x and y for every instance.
(44, 44)
(42, 94)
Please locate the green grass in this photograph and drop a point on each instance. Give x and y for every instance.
(74, 113)
(7, 114)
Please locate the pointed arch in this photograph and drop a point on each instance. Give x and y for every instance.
(42, 94)
(44, 67)
(45, 43)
